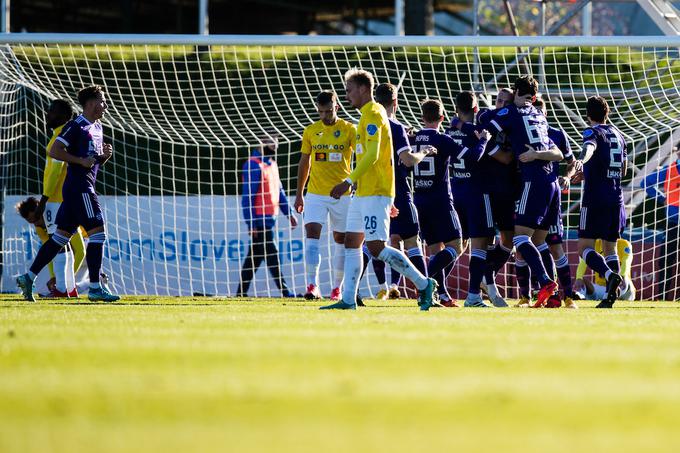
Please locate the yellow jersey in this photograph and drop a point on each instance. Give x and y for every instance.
(374, 170)
(55, 173)
(330, 148)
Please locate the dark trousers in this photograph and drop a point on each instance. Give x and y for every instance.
(668, 264)
(262, 248)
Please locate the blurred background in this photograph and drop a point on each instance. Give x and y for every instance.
(362, 17)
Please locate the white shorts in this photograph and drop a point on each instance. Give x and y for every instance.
(371, 216)
(50, 215)
(319, 207)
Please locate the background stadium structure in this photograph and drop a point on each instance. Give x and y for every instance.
(186, 112)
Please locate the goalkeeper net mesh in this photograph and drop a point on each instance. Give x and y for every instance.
(183, 120)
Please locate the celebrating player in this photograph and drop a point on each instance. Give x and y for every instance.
(603, 215)
(404, 227)
(81, 145)
(527, 130)
(326, 157)
(369, 211)
(439, 222)
(57, 115)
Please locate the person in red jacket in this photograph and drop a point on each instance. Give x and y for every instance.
(262, 199)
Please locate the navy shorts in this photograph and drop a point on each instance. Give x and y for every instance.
(602, 220)
(539, 205)
(556, 230)
(503, 209)
(438, 220)
(405, 224)
(79, 209)
(475, 214)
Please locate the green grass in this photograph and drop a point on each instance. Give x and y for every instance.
(171, 374)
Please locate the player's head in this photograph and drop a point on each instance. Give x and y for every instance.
(597, 109)
(432, 110)
(27, 209)
(270, 141)
(359, 86)
(386, 95)
(540, 106)
(93, 101)
(59, 112)
(526, 89)
(466, 103)
(327, 106)
(504, 98)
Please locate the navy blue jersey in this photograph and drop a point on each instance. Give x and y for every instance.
(82, 139)
(468, 170)
(559, 138)
(603, 172)
(431, 175)
(402, 173)
(524, 126)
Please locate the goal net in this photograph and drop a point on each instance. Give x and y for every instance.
(184, 117)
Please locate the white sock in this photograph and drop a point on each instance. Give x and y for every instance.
(399, 262)
(339, 265)
(312, 259)
(353, 266)
(59, 267)
(70, 276)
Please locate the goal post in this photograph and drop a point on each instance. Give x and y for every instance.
(186, 111)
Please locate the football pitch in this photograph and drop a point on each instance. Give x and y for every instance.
(214, 374)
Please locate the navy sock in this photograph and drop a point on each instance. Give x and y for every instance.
(94, 254)
(613, 263)
(596, 262)
(441, 261)
(523, 276)
(477, 267)
(379, 269)
(47, 252)
(547, 259)
(532, 257)
(564, 275)
(395, 277)
(499, 256)
(367, 259)
(415, 255)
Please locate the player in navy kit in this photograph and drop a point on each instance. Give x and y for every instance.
(538, 206)
(603, 215)
(439, 223)
(471, 196)
(556, 231)
(404, 227)
(81, 145)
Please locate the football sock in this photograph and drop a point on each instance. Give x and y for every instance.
(395, 277)
(523, 276)
(47, 253)
(499, 256)
(59, 267)
(564, 275)
(532, 257)
(415, 255)
(596, 262)
(441, 261)
(397, 260)
(379, 270)
(312, 260)
(477, 266)
(93, 255)
(366, 259)
(338, 265)
(613, 263)
(547, 259)
(353, 266)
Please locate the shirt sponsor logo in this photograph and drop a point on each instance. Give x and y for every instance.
(320, 157)
(327, 147)
(371, 129)
(420, 184)
(335, 157)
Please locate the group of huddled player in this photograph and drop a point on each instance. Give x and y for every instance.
(489, 171)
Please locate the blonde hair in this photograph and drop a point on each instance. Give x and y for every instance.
(360, 77)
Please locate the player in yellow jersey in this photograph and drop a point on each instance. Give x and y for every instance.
(368, 217)
(58, 114)
(326, 160)
(597, 289)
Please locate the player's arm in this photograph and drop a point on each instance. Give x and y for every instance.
(250, 187)
(411, 158)
(51, 176)
(652, 182)
(285, 207)
(304, 166)
(552, 154)
(60, 152)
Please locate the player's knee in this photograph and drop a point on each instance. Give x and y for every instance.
(375, 247)
(339, 238)
(412, 242)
